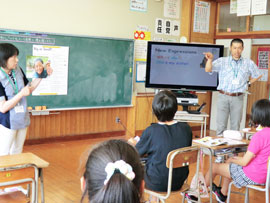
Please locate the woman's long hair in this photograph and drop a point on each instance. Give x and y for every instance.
(119, 189)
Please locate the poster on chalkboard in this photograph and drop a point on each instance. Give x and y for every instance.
(56, 80)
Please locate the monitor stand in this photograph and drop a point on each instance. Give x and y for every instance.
(186, 99)
(186, 106)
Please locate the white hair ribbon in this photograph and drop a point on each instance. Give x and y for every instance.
(123, 168)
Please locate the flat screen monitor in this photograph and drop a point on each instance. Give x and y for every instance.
(180, 66)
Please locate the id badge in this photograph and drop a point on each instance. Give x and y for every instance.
(235, 82)
(19, 109)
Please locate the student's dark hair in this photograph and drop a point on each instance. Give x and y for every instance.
(7, 50)
(237, 40)
(164, 105)
(260, 113)
(119, 188)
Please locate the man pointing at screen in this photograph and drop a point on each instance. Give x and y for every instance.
(235, 75)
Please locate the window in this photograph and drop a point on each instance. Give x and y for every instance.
(230, 22)
(258, 23)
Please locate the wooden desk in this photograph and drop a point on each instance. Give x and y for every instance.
(212, 151)
(183, 116)
(26, 158)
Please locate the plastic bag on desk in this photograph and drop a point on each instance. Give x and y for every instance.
(201, 184)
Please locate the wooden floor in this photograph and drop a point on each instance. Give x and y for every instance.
(62, 176)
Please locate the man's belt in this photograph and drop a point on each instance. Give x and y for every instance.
(231, 94)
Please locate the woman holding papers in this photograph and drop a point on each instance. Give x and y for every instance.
(252, 167)
(14, 87)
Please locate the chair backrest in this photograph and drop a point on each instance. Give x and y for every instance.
(179, 158)
(267, 184)
(182, 157)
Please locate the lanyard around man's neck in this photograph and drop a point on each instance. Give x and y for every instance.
(235, 69)
(13, 82)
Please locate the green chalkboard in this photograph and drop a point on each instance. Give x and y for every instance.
(99, 69)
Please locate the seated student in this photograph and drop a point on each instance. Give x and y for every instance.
(40, 71)
(113, 174)
(252, 167)
(161, 138)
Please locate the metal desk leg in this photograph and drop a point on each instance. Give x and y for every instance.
(201, 130)
(36, 184)
(211, 177)
(205, 119)
(41, 185)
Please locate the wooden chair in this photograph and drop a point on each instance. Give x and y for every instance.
(18, 175)
(256, 187)
(178, 158)
(24, 168)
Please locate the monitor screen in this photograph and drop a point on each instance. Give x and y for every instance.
(180, 66)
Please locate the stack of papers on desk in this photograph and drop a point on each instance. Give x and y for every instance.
(211, 142)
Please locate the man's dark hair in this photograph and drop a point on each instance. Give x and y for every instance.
(165, 106)
(237, 40)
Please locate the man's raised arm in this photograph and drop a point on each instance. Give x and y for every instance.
(208, 66)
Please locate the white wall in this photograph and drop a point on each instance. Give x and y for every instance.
(110, 18)
(247, 54)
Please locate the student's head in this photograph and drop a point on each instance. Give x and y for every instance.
(260, 113)
(113, 185)
(164, 106)
(8, 56)
(236, 48)
(38, 65)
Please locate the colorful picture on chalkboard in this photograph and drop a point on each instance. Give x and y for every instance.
(38, 67)
(51, 64)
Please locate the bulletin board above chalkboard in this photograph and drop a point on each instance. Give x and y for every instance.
(99, 69)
